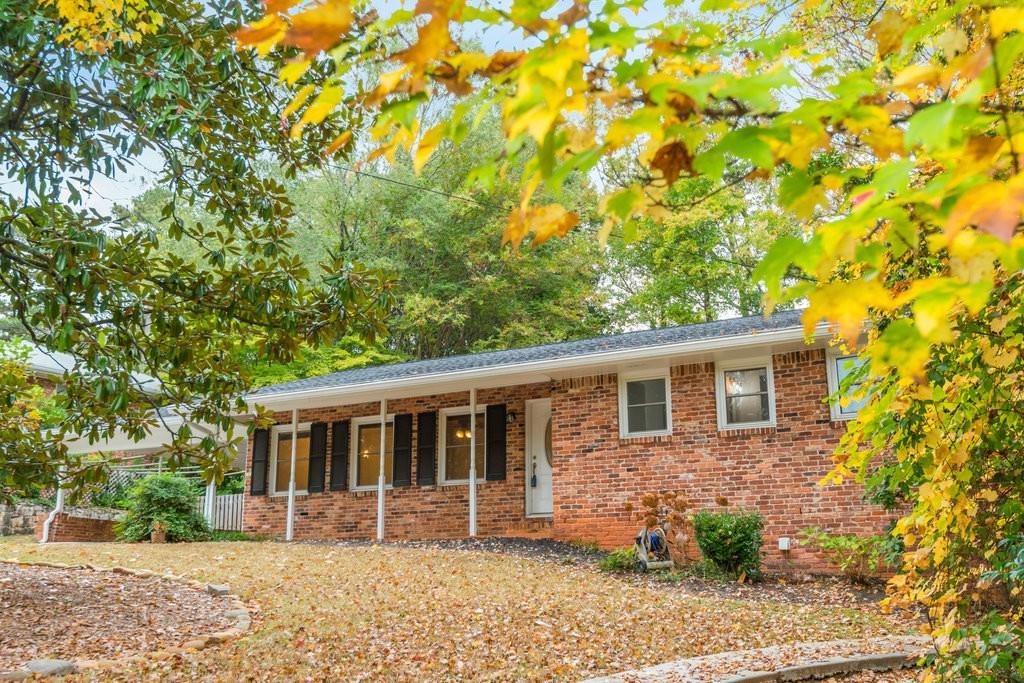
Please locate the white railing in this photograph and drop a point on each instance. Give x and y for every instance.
(227, 511)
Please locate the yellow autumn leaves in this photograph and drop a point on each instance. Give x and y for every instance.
(97, 24)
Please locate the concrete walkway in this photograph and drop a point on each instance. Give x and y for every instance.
(741, 665)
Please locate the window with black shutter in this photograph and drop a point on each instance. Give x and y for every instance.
(260, 459)
(317, 456)
(426, 448)
(339, 455)
(402, 462)
(496, 440)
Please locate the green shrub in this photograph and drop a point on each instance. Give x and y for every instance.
(621, 560)
(859, 558)
(167, 499)
(730, 540)
(115, 496)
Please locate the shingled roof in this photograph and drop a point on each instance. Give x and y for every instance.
(646, 339)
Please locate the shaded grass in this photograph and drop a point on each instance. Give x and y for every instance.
(401, 613)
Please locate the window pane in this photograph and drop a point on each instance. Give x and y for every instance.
(645, 391)
(456, 447)
(284, 462)
(844, 367)
(656, 417)
(740, 409)
(739, 382)
(368, 454)
(637, 419)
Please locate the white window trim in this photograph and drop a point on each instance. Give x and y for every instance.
(442, 450)
(832, 373)
(624, 378)
(353, 449)
(721, 367)
(275, 434)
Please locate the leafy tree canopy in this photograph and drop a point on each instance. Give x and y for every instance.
(87, 91)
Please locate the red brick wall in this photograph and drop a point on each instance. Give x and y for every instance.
(774, 470)
(411, 511)
(77, 529)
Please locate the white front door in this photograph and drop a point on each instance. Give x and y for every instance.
(539, 501)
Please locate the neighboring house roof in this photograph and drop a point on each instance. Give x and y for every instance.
(548, 355)
(53, 364)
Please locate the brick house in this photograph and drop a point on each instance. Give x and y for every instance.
(567, 438)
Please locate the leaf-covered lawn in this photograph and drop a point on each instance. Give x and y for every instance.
(400, 613)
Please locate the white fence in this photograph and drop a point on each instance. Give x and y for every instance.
(227, 511)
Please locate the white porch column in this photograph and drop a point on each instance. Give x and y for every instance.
(472, 462)
(209, 502)
(289, 531)
(380, 475)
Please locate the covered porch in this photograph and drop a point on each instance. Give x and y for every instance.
(399, 466)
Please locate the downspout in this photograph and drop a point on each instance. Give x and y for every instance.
(380, 475)
(57, 509)
(209, 503)
(472, 462)
(290, 528)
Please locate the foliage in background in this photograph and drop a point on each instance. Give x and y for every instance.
(731, 540)
(694, 265)
(25, 443)
(167, 499)
(859, 558)
(86, 95)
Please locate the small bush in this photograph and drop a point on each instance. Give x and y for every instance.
(730, 540)
(859, 558)
(167, 499)
(621, 560)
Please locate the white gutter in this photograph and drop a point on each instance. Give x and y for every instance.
(789, 334)
(57, 509)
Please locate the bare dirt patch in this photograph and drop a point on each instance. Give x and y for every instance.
(47, 612)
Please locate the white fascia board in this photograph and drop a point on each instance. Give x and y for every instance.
(481, 377)
(154, 440)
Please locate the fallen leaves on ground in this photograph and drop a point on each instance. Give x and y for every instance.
(79, 613)
(421, 613)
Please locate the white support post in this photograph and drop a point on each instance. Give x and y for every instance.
(289, 531)
(380, 476)
(472, 462)
(209, 504)
(57, 508)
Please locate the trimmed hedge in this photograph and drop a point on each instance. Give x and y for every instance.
(730, 540)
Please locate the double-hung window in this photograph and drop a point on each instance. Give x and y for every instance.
(366, 447)
(282, 453)
(455, 435)
(745, 394)
(645, 405)
(842, 387)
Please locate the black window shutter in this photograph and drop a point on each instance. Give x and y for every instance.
(402, 464)
(494, 462)
(339, 455)
(260, 451)
(426, 448)
(317, 456)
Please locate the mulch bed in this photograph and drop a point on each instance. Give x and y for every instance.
(55, 613)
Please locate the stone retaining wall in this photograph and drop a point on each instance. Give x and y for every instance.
(20, 518)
